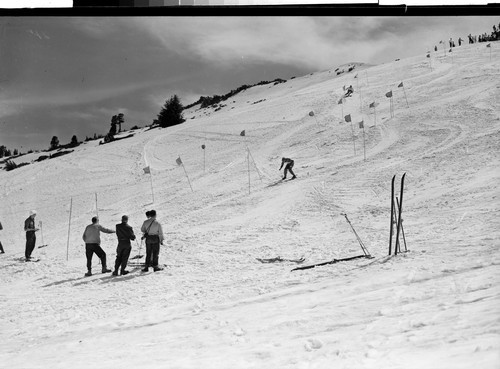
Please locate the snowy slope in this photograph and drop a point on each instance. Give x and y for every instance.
(215, 305)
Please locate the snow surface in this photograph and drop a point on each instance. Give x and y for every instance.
(215, 305)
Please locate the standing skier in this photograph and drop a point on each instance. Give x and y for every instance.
(1, 247)
(30, 229)
(92, 239)
(153, 233)
(288, 167)
(125, 234)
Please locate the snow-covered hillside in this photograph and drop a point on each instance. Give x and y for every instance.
(215, 305)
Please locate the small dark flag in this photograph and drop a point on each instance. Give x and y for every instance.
(450, 51)
(372, 105)
(203, 147)
(389, 94)
(347, 118)
(343, 87)
(242, 133)
(311, 114)
(356, 76)
(361, 125)
(340, 102)
(428, 55)
(401, 84)
(441, 41)
(489, 45)
(147, 170)
(178, 161)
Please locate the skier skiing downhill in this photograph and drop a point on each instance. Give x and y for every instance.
(288, 167)
(92, 240)
(30, 229)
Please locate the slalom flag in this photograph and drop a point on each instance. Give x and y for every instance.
(372, 105)
(400, 85)
(441, 41)
(178, 161)
(389, 94)
(242, 133)
(361, 124)
(311, 114)
(203, 147)
(347, 118)
(428, 55)
(147, 170)
(449, 51)
(340, 102)
(356, 76)
(489, 45)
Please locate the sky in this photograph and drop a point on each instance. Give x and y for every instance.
(65, 76)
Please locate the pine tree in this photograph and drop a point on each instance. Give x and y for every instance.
(16, 152)
(74, 141)
(54, 143)
(171, 113)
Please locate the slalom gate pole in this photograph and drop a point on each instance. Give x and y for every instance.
(69, 228)
(183, 167)
(407, 105)
(41, 231)
(353, 140)
(364, 144)
(248, 165)
(375, 112)
(96, 208)
(255, 164)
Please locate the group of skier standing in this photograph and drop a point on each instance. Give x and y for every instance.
(152, 234)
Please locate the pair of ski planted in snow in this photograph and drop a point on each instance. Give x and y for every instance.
(396, 217)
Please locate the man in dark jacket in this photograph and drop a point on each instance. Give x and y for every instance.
(30, 229)
(288, 167)
(125, 234)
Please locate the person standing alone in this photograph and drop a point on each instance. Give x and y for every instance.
(125, 234)
(153, 233)
(30, 229)
(92, 239)
(288, 167)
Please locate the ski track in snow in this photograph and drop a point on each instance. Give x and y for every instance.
(215, 305)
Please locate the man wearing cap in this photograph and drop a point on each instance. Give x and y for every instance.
(125, 234)
(154, 237)
(30, 229)
(92, 239)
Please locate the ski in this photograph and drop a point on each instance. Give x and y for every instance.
(392, 214)
(32, 260)
(400, 223)
(334, 261)
(402, 228)
(280, 259)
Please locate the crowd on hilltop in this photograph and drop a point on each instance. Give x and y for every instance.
(485, 37)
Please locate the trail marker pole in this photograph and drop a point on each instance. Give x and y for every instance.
(185, 172)
(404, 91)
(248, 167)
(96, 208)
(364, 144)
(69, 228)
(151, 178)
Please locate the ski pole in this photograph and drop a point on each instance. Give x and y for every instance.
(41, 231)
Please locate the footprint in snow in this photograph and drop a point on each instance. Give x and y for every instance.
(313, 344)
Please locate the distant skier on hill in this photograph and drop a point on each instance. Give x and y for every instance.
(125, 234)
(92, 239)
(1, 247)
(288, 167)
(349, 92)
(30, 229)
(153, 233)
